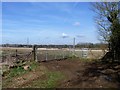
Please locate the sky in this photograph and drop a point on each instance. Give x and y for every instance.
(48, 23)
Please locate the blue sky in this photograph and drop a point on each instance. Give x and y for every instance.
(48, 23)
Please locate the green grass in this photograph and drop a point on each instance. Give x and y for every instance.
(20, 70)
(16, 71)
(12, 73)
(53, 77)
(50, 81)
(33, 65)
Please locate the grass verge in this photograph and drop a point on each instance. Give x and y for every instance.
(49, 81)
(17, 71)
(52, 78)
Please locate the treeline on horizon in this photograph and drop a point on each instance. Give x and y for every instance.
(80, 45)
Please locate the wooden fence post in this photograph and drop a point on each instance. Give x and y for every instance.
(63, 54)
(16, 55)
(34, 52)
(36, 59)
(46, 56)
(55, 56)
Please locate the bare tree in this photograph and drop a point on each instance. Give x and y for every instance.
(108, 24)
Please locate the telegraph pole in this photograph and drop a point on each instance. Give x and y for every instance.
(74, 46)
(27, 41)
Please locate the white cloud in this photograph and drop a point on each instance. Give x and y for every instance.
(76, 24)
(64, 35)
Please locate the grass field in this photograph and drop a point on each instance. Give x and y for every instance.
(51, 53)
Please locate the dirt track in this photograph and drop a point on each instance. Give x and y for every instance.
(75, 72)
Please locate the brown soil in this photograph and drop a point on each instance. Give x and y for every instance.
(78, 74)
(81, 74)
(23, 80)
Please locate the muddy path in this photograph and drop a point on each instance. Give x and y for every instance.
(77, 74)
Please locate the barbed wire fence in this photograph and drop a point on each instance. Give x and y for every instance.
(89, 53)
(14, 57)
(49, 54)
(11, 57)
